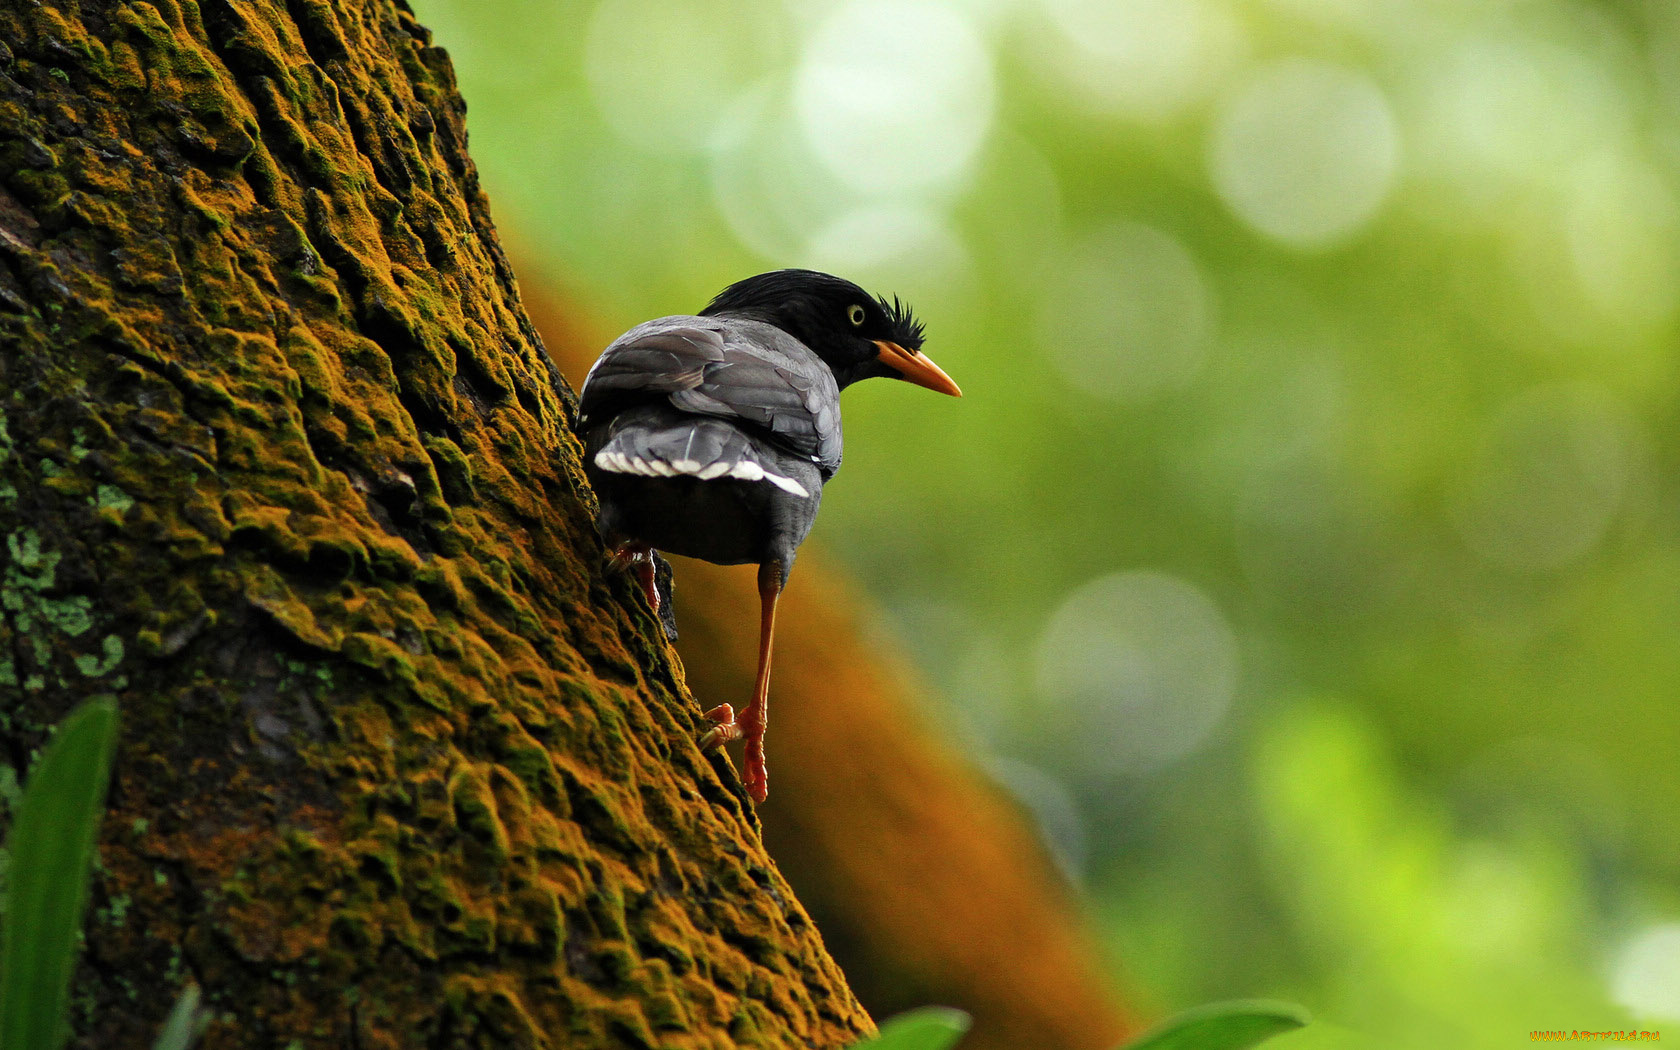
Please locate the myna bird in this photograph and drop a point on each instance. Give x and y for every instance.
(712, 436)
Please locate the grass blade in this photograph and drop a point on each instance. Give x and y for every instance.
(929, 1028)
(51, 849)
(1234, 1025)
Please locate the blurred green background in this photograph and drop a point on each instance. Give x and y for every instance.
(1305, 552)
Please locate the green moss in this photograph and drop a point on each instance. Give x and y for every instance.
(109, 497)
(115, 912)
(27, 556)
(31, 572)
(96, 666)
(665, 1012)
(475, 810)
(454, 469)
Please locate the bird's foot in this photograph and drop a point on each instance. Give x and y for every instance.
(726, 728)
(638, 558)
(754, 773)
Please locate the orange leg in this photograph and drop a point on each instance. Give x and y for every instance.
(755, 718)
(757, 715)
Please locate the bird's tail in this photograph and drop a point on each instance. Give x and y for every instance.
(657, 443)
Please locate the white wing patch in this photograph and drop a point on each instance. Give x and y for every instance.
(745, 470)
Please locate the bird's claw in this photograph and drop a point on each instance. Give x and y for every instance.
(638, 558)
(724, 728)
(756, 778)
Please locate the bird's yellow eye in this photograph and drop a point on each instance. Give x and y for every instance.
(854, 314)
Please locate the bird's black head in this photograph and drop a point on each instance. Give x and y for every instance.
(857, 335)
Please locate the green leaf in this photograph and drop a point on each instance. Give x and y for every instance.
(929, 1028)
(51, 848)
(186, 1022)
(1232, 1025)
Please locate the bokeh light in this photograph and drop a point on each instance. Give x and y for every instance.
(1144, 59)
(1053, 807)
(1512, 106)
(900, 240)
(1621, 235)
(1548, 479)
(895, 97)
(1305, 151)
(1129, 315)
(1647, 973)
(1137, 668)
(665, 73)
(774, 199)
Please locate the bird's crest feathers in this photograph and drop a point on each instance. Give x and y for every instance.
(907, 331)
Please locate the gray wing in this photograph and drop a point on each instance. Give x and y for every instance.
(744, 371)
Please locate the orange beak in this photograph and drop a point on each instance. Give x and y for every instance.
(916, 367)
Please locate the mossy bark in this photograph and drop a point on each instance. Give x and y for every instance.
(284, 467)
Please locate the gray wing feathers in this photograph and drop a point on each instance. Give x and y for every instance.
(731, 369)
(656, 360)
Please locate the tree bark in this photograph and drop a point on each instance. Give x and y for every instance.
(284, 466)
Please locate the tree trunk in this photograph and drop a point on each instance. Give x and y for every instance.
(284, 466)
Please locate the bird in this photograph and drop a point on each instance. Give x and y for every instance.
(712, 435)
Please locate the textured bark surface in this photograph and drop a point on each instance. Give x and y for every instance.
(285, 468)
(928, 887)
